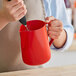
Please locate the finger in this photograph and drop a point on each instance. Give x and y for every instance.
(21, 10)
(22, 15)
(53, 37)
(56, 29)
(18, 6)
(47, 19)
(56, 23)
(53, 33)
(12, 2)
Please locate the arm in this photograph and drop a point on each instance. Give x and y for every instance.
(60, 42)
(56, 32)
(61, 14)
(65, 38)
(3, 21)
(11, 11)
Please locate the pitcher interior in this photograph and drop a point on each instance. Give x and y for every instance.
(33, 25)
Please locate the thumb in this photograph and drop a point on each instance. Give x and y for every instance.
(48, 19)
(6, 1)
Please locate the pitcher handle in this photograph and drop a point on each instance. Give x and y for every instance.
(51, 41)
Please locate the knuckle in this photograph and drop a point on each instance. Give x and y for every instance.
(50, 36)
(24, 12)
(47, 18)
(49, 28)
(52, 23)
(49, 33)
(54, 37)
(16, 0)
(52, 18)
(21, 3)
(56, 20)
(57, 37)
(23, 7)
(14, 18)
(7, 6)
(11, 12)
(61, 24)
(60, 29)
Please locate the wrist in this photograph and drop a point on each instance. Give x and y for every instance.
(3, 16)
(3, 20)
(60, 42)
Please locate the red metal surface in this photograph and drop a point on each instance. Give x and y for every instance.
(34, 43)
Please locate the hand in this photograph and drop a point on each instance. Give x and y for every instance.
(13, 10)
(55, 27)
(56, 32)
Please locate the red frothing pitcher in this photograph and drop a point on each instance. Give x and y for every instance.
(35, 45)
